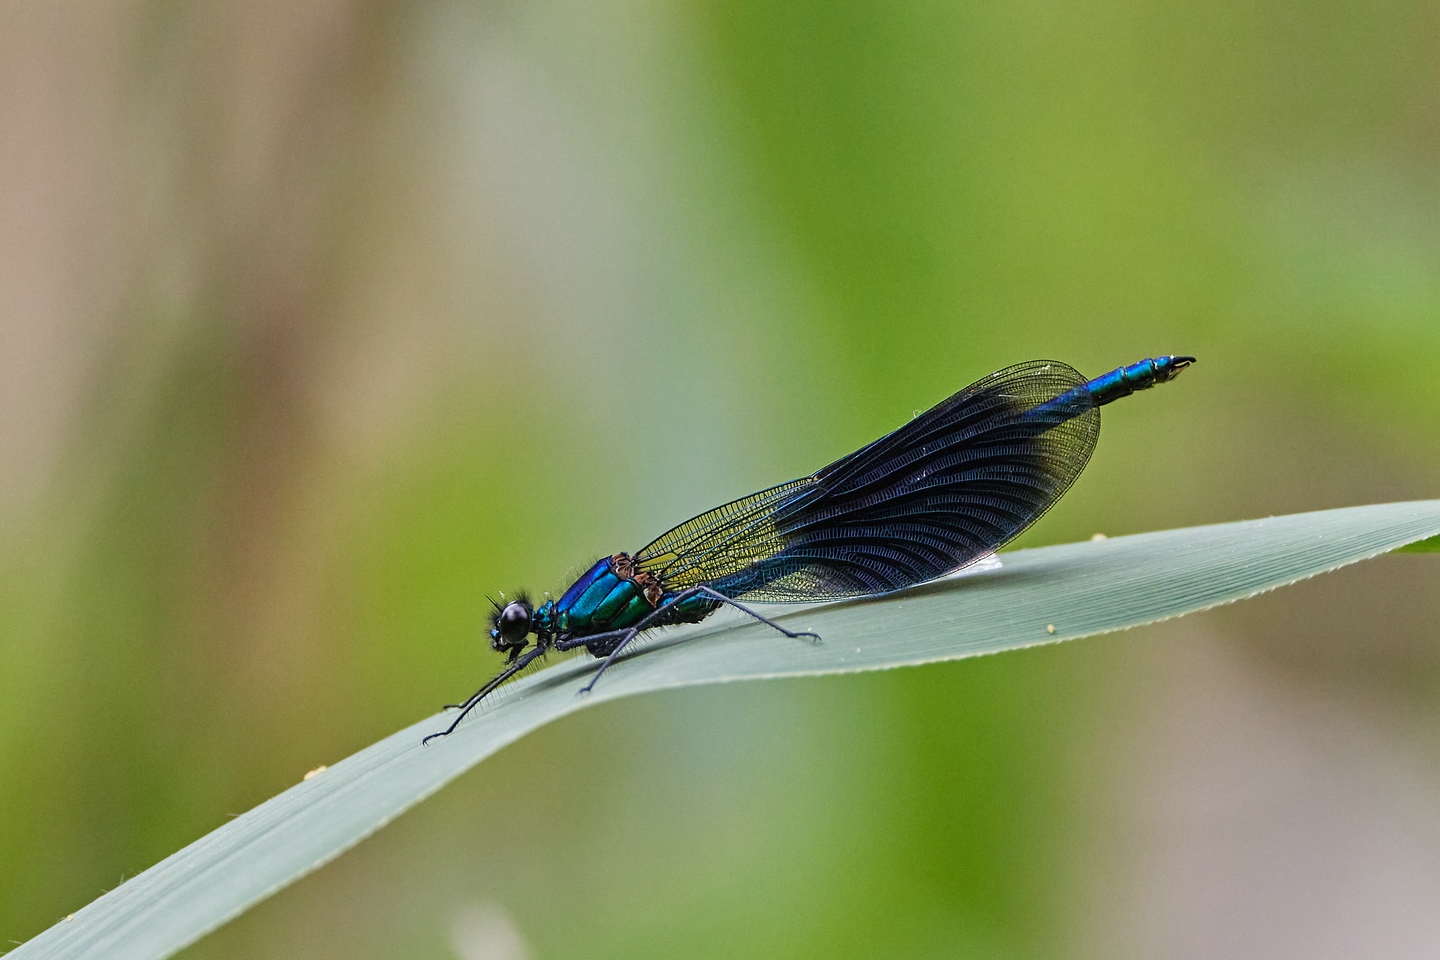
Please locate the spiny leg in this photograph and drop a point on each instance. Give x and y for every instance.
(649, 619)
(717, 595)
(514, 655)
(510, 671)
(471, 700)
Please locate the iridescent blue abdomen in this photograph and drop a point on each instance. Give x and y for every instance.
(1109, 387)
(1143, 375)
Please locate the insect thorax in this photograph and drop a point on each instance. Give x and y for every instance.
(611, 595)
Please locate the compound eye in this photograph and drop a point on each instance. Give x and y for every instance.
(513, 624)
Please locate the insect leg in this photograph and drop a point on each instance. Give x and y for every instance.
(630, 634)
(515, 653)
(510, 671)
(720, 597)
(570, 643)
(625, 635)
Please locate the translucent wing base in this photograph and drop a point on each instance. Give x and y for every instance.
(952, 485)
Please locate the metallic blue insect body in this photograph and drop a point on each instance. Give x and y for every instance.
(951, 486)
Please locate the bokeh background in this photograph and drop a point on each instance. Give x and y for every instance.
(321, 319)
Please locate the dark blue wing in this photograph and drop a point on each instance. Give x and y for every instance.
(952, 485)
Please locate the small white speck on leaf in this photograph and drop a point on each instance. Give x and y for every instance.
(316, 772)
(1049, 628)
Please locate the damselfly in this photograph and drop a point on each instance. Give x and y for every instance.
(951, 486)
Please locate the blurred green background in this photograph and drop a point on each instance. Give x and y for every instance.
(321, 319)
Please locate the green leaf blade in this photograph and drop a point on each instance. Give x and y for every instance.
(1078, 589)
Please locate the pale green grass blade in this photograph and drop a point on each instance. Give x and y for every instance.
(1075, 590)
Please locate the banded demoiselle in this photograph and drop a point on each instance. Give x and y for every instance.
(948, 488)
